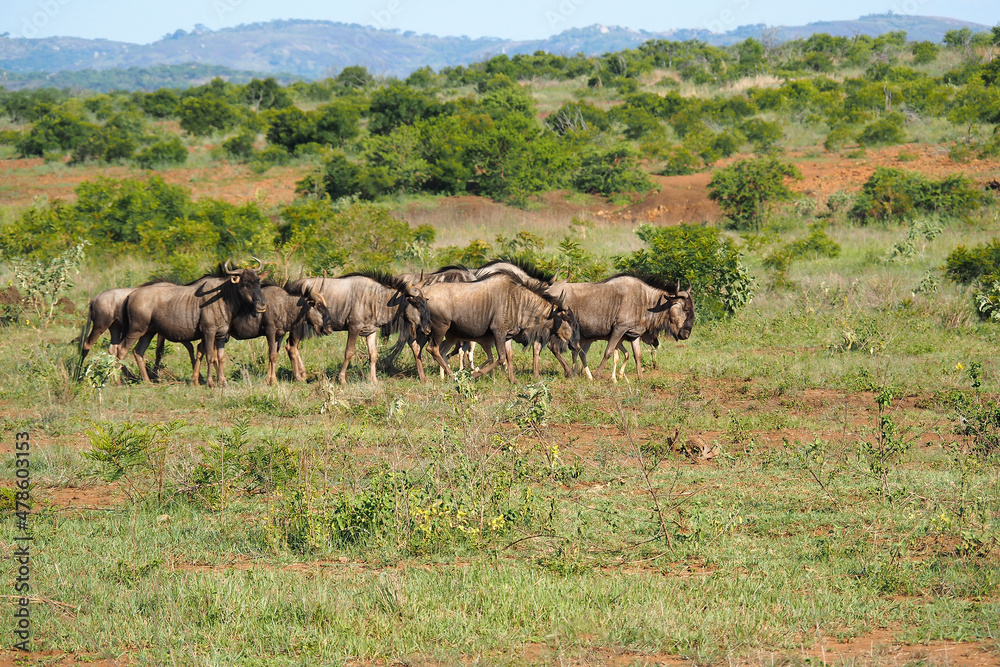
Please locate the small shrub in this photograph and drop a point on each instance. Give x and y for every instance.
(700, 255)
(43, 283)
(169, 152)
(764, 135)
(680, 162)
(966, 266)
(892, 193)
(816, 244)
(240, 147)
(745, 191)
(886, 131)
(612, 171)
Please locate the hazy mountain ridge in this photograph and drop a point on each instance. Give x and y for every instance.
(314, 49)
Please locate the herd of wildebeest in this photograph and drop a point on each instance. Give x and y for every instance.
(502, 302)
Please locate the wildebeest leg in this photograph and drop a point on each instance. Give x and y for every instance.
(566, 369)
(417, 351)
(116, 338)
(584, 348)
(220, 361)
(491, 362)
(434, 347)
(211, 357)
(637, 354)
(139, 351)
(292, 348)
(445, 348)
(536, 352)
(158, 359)
(616, 336)
(372, 340)
(352, 340)
(505, 349)
(273, 344)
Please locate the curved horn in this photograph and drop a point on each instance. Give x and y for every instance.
(230, 272)
(260, 264)
(678, 289)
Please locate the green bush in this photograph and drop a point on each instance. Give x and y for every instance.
(167, 153)
(886, 131)
(763, 134)
(680, 161)
(745, 191)
(967, 265)
(58, 130)
(334, 236)
(892, 194)
(612, 171)
(816, 244)
(698, 255)
(924, 52)
(239, 148)
(202, 115)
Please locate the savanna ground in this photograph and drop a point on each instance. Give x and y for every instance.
(806, 482)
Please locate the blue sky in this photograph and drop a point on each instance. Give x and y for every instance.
(144, 21)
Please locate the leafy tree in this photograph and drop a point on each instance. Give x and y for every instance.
(745, 191)
(698, 255)
(290, 128)
(612, 171)
(204, 115)
(896, 194)
(330, 237)
(885, 131)
(162, 103)
(266, 94)
(59, 130)
(763, 134)
(335, 123)
(398, 104)
(513, 159)
(393, 163)
(239, 147)
(116, 212)
(925, 52)
(355, 76)
(168, 152)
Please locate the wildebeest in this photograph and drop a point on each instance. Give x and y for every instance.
(201, 309)
(497, 308)
(625, 307)
(286, 313)
(365, 303)
(102, 315)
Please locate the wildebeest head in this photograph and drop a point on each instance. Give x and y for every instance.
(246, 284)
(319, 317)
(680, 319)
(566, 327)
(416, 312)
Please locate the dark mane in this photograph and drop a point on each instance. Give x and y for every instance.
(533, 287)
(158, 281)
(526, 266)
(383, 278)
(450, 267)
(654, 281)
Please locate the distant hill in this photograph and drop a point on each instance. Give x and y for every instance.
(315, 49)
(133, 78)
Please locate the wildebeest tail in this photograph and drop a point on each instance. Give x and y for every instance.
(85, 332)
